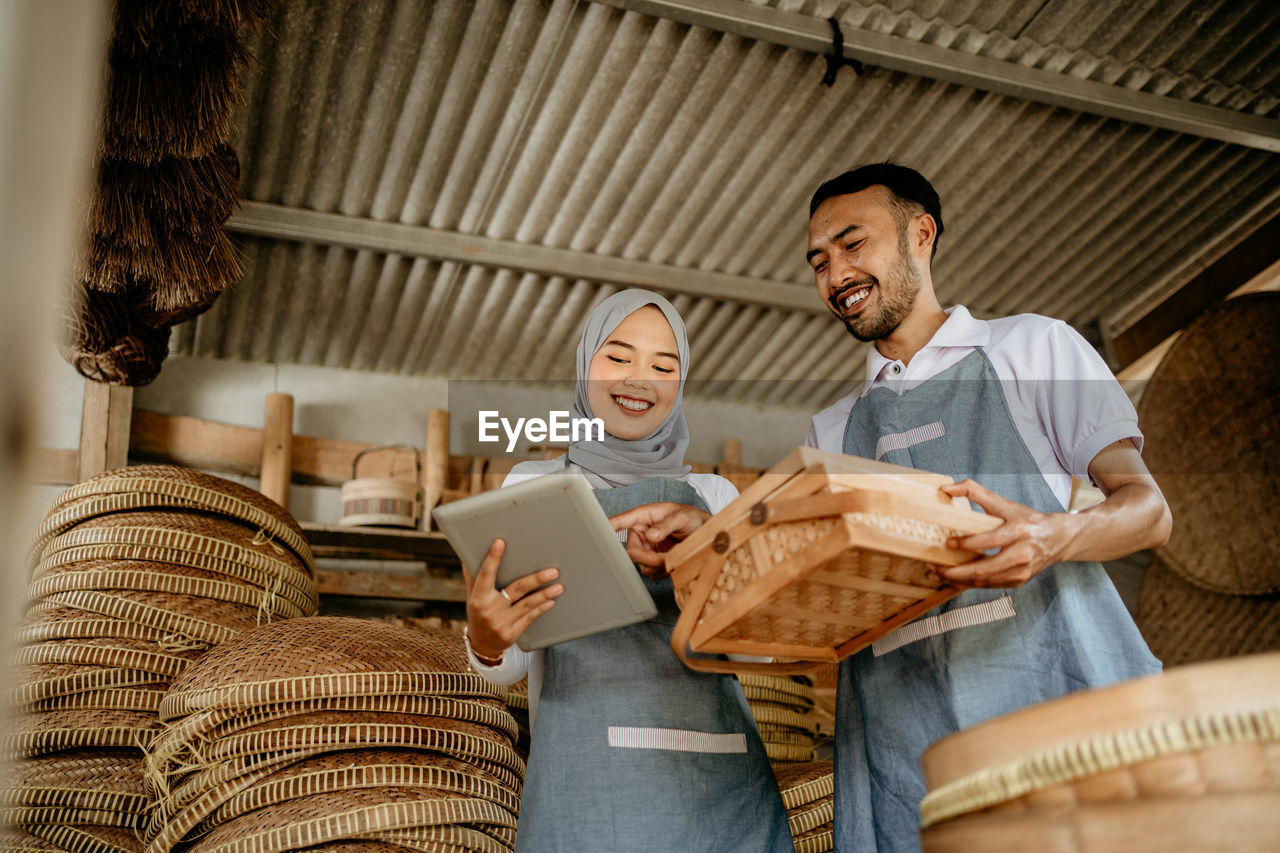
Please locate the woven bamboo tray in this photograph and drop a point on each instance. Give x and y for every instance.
(1187, 752)
(822, 556)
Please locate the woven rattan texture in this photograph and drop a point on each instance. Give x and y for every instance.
(1210, 415)
(1225, 625)
(328, 730)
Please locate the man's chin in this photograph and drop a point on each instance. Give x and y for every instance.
(864, 334)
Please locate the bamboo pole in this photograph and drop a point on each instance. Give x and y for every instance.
(436, 464)
(277, 448)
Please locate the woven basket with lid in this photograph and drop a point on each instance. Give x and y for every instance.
(824, 554)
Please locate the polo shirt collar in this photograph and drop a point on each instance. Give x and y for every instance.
(960, 329)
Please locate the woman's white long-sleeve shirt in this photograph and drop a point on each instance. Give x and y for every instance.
(715, 491)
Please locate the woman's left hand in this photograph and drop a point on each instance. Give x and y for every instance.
(654, 530)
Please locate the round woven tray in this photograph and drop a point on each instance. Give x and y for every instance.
(806, 783)
(71, 624)
(53, 731)
(199, 621)
(82, 680)
(818, 840)
(1211, 418)
(281, 601)
(297, 588)
(324, 656)
(200, 793)
(207, 542)
(812, 816)
(356, 814)
(88, 839)
(168, 486)
(1224, 625)
(128, 654)
(120, 699)
(785, 752)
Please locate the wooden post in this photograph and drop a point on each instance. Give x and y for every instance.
(277, 448)
(731, 451)
(436, 465)
(104, 428)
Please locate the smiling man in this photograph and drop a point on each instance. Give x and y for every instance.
(1011, 408)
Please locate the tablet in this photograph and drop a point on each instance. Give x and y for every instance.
(552, 520)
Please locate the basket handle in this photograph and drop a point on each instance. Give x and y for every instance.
(417, 459)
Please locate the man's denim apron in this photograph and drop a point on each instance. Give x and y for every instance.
(631, 751)
(987, 651)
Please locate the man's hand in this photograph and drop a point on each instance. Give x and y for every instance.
(654, 530)
(1029, 541)
(1133, 516)
(496, 617)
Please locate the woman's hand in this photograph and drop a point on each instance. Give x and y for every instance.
(654, 530)
(496, 617)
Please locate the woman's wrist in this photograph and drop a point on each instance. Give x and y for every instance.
(484, 659)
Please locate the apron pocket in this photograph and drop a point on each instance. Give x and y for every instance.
(677, 740)
(962, 617)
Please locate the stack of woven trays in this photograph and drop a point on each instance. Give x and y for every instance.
(517, 699)
(334, 732)
(133, 574)
(783, 709)
(808, 794)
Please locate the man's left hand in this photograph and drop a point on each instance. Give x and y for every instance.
(1029, 541)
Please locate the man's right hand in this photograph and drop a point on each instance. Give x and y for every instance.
(655, 528)
(496, 617)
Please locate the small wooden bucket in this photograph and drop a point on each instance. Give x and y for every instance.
(383, 501)
(820, 557)
(1187, 760)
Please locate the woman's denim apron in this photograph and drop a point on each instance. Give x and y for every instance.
(984, 653)
(631, 751)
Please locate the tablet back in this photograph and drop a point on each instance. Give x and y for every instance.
(553, 520)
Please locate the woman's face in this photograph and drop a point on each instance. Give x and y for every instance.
(634, 378)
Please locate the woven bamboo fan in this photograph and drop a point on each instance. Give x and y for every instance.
(1186, 760)
(820, 557)
(383, 501)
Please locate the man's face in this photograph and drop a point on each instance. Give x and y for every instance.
(862, 262)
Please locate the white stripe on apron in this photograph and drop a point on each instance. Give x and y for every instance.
(676, 740)
(961, 617)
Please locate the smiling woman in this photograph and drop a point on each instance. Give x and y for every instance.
(634, 378)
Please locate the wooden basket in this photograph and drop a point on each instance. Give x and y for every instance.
(1187, 760)
(383, 501)
(816, 560)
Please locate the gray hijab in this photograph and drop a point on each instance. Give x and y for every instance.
(616, 461)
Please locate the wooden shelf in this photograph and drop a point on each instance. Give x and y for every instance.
(378, 543)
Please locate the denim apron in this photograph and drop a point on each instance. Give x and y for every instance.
(631, 751)
(985, 652)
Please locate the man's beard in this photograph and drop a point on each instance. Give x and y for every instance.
(896, 298)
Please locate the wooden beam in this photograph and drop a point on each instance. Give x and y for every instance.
(277, 448)
(1234, 268)
(49, 467)
(104, 428)
(383, 585)
(331, 229)
(229, 449)
(378, 543)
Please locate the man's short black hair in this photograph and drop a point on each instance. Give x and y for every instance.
(910, 192)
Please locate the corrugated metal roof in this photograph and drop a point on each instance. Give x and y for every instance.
(582, 126)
